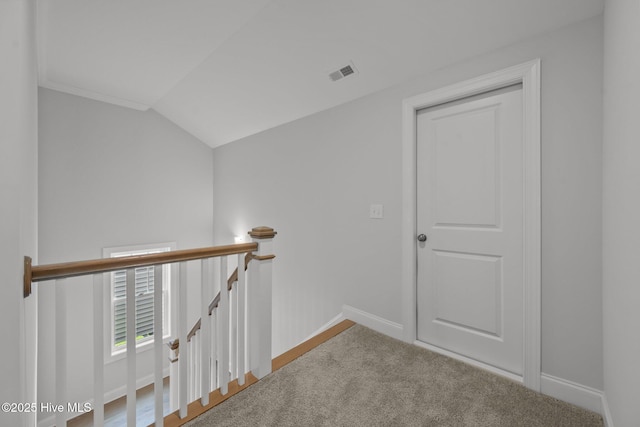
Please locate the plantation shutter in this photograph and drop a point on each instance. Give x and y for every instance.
(144, 285)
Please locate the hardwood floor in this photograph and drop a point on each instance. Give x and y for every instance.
(115, 412)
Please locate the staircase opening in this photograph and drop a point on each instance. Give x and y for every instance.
(227, 349)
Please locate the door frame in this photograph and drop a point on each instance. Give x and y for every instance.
(528, 74)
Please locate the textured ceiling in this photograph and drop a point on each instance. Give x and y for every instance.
(226, 69)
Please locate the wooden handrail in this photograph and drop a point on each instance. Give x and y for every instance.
(234, 276)
(104, 265)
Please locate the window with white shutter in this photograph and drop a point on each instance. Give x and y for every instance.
(145, 283)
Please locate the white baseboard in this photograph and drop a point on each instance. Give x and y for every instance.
(371, 321)
(108, 397)
(606, 412)
(337, 319)
(574, 393)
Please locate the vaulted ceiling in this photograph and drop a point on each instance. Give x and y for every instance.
(226, 69)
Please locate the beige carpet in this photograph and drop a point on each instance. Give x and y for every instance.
(363, 378)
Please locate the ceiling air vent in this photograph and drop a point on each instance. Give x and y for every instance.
(343, 72)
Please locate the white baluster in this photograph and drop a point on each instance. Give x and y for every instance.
(61, 351)
(183, 359)
(131, 346)
(98, 351)
(241, 316)
(174, 355)
(205, 325)
(174, 380)
(192, 368)
(223, 322)
(214, 350)
(157, 345)
(233, 317)
(196, 370)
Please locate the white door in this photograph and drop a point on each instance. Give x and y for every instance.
(470, 208)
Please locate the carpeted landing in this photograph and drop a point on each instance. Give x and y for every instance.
(363, 378)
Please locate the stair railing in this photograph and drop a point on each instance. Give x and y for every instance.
(216, 346)
(204, 334)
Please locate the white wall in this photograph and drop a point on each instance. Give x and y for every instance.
(621, 233)
(313, 180)
(18, 202)
(111, 176)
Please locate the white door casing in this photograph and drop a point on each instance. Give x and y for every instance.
(470, 205)
(527, 74)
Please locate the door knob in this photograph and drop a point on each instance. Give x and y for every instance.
(422, 237)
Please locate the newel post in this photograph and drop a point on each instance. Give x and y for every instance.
(260, 301)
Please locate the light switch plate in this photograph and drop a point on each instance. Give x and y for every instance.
(376, 211)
